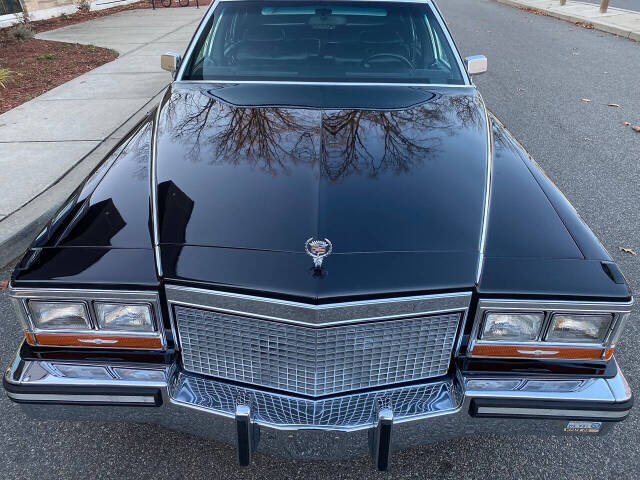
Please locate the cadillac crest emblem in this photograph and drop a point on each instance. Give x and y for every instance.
(318, 249)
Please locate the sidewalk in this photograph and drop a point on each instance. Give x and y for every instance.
(625, 23)
(49, 144)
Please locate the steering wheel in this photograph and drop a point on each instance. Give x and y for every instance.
(395, 56)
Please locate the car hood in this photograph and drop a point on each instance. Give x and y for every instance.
(391, 171)
(410, 177)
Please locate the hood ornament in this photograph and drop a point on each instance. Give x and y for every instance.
(318, 249)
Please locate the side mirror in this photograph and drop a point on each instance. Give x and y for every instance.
(476, 64)
(170, 62)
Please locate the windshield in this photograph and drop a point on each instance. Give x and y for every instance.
(324, 42)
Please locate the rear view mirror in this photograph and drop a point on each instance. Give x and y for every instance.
(476, 64)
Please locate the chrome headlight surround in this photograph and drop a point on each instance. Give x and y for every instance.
(95, 337)
(542, 346)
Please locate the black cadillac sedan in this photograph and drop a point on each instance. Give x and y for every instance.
(319, 244)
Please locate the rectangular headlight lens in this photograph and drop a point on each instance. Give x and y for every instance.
(571, 328)
(59, 316)
(119, 317)
(520, 327)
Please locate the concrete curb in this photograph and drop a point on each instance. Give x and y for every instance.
(597, 24)
(21, 227)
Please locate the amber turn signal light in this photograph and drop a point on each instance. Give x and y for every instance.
(146, 342)
(538, 351)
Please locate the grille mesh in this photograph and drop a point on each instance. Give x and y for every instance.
(315, 361)
(341, 412)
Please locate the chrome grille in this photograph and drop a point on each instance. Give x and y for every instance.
(315, 361)
(340, 413)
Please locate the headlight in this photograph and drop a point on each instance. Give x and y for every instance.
(118, 317)
(90, 318)
(59, 316)
(571, 328)
(519, 327)
(563, 330)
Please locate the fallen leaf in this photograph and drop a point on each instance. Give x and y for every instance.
(521, 89)
(636, 128)
(626, 124)
(4, 284)
(575, 54)
(587, 139)
(613, 105)
(628, 250)
(584, 25)
(585, 99)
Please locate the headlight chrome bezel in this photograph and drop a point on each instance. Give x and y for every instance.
(548, 336)
(482, 332)
(31, 304)
(619, 313)
(21, 297)
(147, 306)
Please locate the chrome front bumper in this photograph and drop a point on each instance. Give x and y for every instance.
(339, 426)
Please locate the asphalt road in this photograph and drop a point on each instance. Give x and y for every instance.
(540, 69)
(626, 4)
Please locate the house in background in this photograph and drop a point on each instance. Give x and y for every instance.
(42, 9)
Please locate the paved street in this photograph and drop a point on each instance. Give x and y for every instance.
(539, 70)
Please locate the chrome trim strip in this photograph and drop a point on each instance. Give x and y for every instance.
(341, 84)
(550, 412)
(569, 306)
(21, 295)
(154, 191)
(72, 398)
(317, 315)
(445, 29)
(487, 195)
(510, 305)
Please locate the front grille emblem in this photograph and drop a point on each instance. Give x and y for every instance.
(318, 250)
